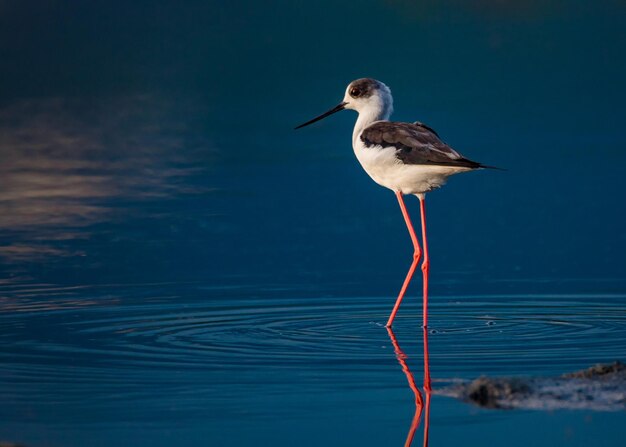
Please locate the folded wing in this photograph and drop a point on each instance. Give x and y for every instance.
(415, 143)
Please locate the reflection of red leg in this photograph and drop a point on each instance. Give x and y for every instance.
(427, 419)
(416, 257)
(426, 263)
(427, 388)
(419, 401)
(415, 423)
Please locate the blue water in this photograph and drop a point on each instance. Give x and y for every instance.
(179, 267)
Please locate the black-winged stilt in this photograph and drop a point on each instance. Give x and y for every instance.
(408, 158)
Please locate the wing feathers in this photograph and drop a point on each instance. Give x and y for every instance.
(415, 143)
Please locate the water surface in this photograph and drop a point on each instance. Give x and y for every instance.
(176, 362)
(179, 267)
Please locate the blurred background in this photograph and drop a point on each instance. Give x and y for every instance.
(154, 140)
(151, 142)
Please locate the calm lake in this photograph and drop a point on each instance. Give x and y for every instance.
(179, 267)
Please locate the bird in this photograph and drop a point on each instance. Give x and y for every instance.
(407, 158)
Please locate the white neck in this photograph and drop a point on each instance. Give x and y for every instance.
(376, 111)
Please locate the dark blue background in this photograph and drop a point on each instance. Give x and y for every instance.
(152, 142)
(536, 88)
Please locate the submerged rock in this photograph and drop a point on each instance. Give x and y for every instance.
(601, 388)
(489, 393)
(598, 371)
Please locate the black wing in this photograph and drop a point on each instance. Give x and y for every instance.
(415, 143)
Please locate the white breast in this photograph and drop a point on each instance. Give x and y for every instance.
(385, 169)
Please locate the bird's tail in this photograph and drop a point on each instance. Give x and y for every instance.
(482, 166)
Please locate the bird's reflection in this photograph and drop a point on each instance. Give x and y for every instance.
(422, 401)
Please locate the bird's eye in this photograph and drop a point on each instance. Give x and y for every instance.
(355, 92)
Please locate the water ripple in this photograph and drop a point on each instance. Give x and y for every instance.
(470, 334)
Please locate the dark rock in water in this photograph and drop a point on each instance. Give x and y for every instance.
(488, 392)
(601, 388)
(598, 371)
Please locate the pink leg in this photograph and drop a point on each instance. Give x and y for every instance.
(416, 257)
(426, 363)
(426, 263)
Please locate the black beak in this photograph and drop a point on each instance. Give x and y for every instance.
(338, 108)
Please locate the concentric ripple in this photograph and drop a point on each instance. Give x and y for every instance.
(119, 339)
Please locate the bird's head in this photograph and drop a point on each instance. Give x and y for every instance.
(365, 95)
